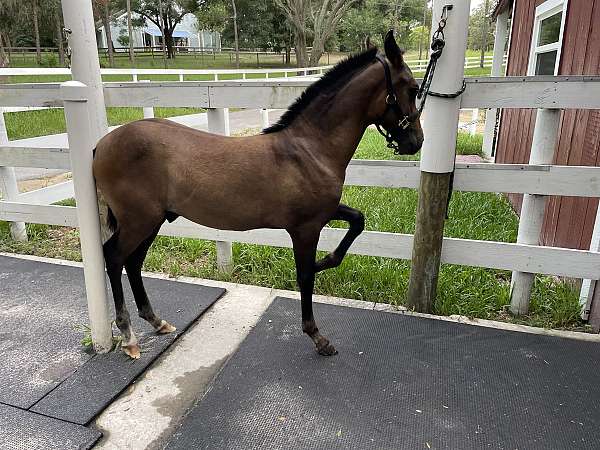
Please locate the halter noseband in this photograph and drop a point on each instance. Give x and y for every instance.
(391, 102)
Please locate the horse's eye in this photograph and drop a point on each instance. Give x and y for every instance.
(412, 92)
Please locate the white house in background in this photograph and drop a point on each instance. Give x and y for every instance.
(186, 34)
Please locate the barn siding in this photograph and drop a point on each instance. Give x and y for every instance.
(569, 221)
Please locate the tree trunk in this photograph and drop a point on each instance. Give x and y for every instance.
(316, 53)
(170, 43)
(36, 31)
(130, 32)
(484, 32)
(287, 55)
(4, 58)
(59, 37)
(235, 34)
(300, 43)
(107, 30)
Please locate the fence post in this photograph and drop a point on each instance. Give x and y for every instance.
(264, 115)
(474, 121)
(437, 158)
(85, 67)
(9, 186)
(85, 64)
(147, 111)
(497, 60)
(218, 122)
(545, 135)
(589, 287)
(81, 143)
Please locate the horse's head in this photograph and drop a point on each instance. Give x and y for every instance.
(394, 103)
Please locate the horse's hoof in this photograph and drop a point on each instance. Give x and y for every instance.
(133, 351)
(165, 328)
(326, 349)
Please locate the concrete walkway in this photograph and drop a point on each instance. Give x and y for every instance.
(238, 122)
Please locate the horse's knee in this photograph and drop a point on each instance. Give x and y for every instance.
(358, 224)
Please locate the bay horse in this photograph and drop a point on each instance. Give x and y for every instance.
(289, 177)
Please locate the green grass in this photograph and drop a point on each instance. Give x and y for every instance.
(26, 124)
(474, 292)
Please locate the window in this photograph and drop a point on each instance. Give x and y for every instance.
(546, 41)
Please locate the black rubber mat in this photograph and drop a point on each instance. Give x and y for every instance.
(42, 364)
(398, 382)
(20, 429)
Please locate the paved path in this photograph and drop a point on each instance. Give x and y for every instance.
(238, 121)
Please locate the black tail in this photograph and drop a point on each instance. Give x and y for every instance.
(112, 221)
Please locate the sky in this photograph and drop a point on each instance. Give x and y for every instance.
(475, 4)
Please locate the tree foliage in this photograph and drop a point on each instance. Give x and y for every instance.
(478, 16)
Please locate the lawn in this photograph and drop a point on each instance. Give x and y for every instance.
(469, 291)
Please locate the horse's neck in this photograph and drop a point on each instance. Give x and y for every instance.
(335, 127)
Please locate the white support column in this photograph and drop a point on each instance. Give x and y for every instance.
(148, 111)
(264, 115)
(85, 65)
(81, 143)
(588, 286)
(85, 68)
(474, 120)
(181, 77)
(545, 135)
(134, 77)
(218, 122)
(9, 186)
(497, 61)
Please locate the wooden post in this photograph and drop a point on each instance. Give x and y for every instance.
(81, 144)
(498, 59)
(9, 186)
(437, 158)
(218, 122)
(545, 135)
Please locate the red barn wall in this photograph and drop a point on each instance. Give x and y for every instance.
(569, 221)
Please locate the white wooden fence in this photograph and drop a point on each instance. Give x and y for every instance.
(538, 92)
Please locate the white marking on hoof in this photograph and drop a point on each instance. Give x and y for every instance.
(165, 327)
(133, 351)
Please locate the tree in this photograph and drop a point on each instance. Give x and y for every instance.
(103, 10)
(166, 15)
(476, 25)
(130, 32)
(7, 9)
(374, 18)
(484, 32)
(235, 34)
(324, 17)
(36, 30)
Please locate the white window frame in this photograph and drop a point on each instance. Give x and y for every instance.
(543, 11)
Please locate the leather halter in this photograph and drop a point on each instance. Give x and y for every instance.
(391, 102)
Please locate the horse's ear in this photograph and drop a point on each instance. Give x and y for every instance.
(392, 51)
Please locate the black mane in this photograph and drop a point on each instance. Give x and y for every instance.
(331, 82)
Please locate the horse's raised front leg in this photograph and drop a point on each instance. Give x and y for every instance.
(356, 219)
(305, 242)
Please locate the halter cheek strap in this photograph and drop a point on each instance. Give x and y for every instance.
(391, 100)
